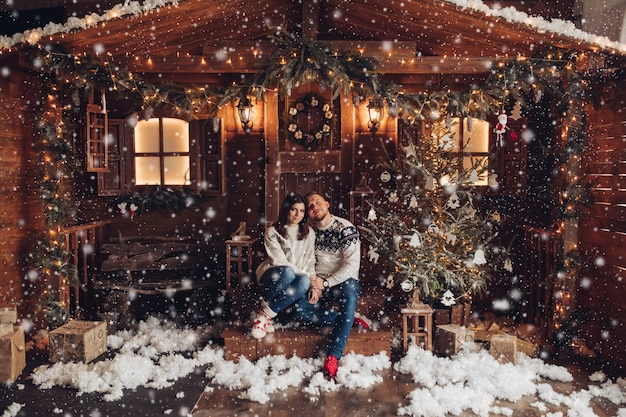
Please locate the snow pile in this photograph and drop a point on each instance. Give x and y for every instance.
(473, 381)
(152, 357)
(158, 354)
(272, 374)
(558, 26)
(123, 9)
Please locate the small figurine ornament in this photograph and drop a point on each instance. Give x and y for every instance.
(501, 128)
(447, 299)
(133, 210)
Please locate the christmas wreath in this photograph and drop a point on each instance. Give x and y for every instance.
(305, 105)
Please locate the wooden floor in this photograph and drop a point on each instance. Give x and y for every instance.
(383, 399)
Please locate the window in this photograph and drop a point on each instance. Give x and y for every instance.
(165, 152)
(470, 138)
(162, 152)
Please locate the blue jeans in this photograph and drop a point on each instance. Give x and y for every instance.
(344, 297)
(281, 286)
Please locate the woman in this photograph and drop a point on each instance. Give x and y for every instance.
(285, 276)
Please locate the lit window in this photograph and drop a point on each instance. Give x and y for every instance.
(162, 152)
(472, 144)
(475, 146)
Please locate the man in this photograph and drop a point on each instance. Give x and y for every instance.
(335, 288)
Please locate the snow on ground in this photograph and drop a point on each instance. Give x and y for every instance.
(158, 354)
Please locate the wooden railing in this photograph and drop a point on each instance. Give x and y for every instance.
(539, 257)
(83, 242)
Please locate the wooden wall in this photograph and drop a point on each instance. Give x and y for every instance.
(601, 288)
(20, 209)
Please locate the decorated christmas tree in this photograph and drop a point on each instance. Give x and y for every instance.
(428, 232)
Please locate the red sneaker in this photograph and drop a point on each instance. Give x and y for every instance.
(331, 366)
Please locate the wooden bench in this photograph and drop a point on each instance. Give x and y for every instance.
(153, 265)
(303, 343)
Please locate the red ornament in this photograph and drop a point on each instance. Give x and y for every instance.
(513, 136)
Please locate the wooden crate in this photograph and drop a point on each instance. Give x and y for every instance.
(12, 355)
(303, 343)
(6, 329)
(450, 337)
(503, 347)
(522, 345)
(78, 341)
(8, 314)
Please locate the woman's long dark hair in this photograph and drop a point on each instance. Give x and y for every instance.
(288, 202)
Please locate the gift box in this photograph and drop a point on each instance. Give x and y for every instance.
(6, 329)
(8, 314)
(78, 341)
(503, 347)
(12, 355)
(450, 338)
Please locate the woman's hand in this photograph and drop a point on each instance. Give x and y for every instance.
(314, 295)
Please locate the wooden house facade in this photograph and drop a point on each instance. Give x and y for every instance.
(239, 174)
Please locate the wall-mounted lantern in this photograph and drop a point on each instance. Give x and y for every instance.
(244, 108)
(375, 110)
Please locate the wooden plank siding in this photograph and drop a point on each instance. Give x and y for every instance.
(603, 234)
(20, 209)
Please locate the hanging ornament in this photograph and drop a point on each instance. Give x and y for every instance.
(473, 176)
(122, 207)
(393, 109)
(516, 113)
(216, 125)
(513, 136)
(447, 299)
(454, 202)
(430, 183)
(479, 257)
(508, 265)
(433, 229)
(148, 112)
(410, 151)
(446, 143)
(390, 281)
(469, 210)
(450, 238)
(413, 202)
(76, 98)
(493, 181)
(393, 197)
(496, 216)
(501, 129)
(373, 255)
(538, 95)
(416, 241)
(371, 215)
(132, 120)
(407, 285)
(133, 210)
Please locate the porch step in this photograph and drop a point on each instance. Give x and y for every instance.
(303, 343)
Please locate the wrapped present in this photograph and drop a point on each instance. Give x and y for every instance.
(12, 355)
(503, 347)
(450, 338)
(6, 329)
(78, 341)
(8, 314)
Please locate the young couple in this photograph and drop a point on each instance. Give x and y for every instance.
(315, 270)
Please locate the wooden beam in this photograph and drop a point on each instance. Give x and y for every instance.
(205, 65)
(310, 19)
(250, 57)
